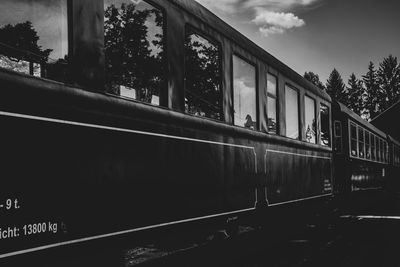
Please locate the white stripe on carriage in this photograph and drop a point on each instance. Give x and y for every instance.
(297, 154)
(96, 126)
(300, 199)
(85, 239)
(371, 217)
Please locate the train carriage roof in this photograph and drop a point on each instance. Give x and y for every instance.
(222, 27)
(358, 119)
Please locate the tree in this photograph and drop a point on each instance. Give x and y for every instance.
(134, 52)
(19, 46)
(356, 95)
(370, 80)
(336, 88)
(388, 77)
(203, 92)
(314, 79)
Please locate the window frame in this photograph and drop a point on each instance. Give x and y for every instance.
(288, 85)
(163, 93)
(315, 118)
(351, 123)
(338, 137)
(189, 30)
(320, 125)
(275, 97)
(250, 62)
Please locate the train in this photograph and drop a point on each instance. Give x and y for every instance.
(148, 114)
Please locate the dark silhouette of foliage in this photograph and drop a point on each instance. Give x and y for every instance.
(203, 77)
(356, 94)
(388, 77)
(133, 59)
(336, 88)
(314, 79)
(372, 91)
(20, 42)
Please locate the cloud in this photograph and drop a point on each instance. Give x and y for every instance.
(271, 22)
(278, 5)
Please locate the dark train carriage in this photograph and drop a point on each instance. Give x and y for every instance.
(361, 151)
(134, 115)
(394, 163)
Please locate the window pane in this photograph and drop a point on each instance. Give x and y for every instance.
(378, 154)
(373, 152)
(271, 84)
(381, 150)
(310, 125)
(367, 145)
(325, 132)
(338, 136)
(203, 78)
(271, 105)
(361, 142)
(353, 135)
(34, 38)
(244, 93)
(292, 115)
(134, 50)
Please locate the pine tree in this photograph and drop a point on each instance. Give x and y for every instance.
(314, 79)
(370, 80)
(388, 76)
(336, 88)
(356, 94)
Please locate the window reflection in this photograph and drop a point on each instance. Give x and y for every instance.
(34, 38)
(325, 132)
(310, 125)
(361, 142)
(367, 145)
(271, 103)
(373, 152)
(338, 137)
(244, 93)
(134, 50)
(203, 78)
(353, 136)
(292, 115)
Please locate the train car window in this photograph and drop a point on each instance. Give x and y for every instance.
(361, 142)
(325, 130)
(244, 94)
(367, 145)
(378, 149)
(134, 50)
(338, 137)
(271, 103)
(203, 96)
(373, 148)
(34, 38)
(310, 123)
(292, 112)
(385, 151)
(353, 143)
(381, 154)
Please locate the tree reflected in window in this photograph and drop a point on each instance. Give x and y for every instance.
(203, 78)
(34, 38)
(310, 127)
(325, 129)
(134, 50)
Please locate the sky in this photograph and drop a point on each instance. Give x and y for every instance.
(318, 35)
